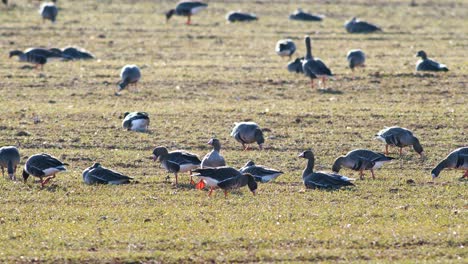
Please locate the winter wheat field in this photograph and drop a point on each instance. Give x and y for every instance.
(196, 82)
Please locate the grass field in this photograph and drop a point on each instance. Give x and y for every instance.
(197, 81)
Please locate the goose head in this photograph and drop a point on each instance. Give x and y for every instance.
(169, 14)
(308, 154)
(251, 183)
(259, 138)
(158, 152)
(421, 54)
(16, 53)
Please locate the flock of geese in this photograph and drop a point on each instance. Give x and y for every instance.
(212, 171)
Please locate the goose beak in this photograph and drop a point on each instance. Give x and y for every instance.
(422, 155)
(254, 192)
(155, 157)
(433, 176)
(301, 155)
(260, 146)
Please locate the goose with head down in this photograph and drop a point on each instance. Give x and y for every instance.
(226, 178)
(360, 160)
(136, 121)
(186, 8)
(247, 133)
(457, 159)
(176, 161)
(43, 166)
(9, 158)
(399, 137)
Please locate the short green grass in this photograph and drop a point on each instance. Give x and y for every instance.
(199, 80)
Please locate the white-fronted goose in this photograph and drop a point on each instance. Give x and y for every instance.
(238, 16)
(9, 158)
(177, 161)
(226, 178)
(74, 53)
(186, 8)
(214, 158)
(247, 133)
(296, 65)
(314, 67)
(360, 160)
(426, 64)
(321, 179)
(357, 26)
(42, 165)
(356, 58)
(136, 121)
(399, 137)
(285, 48)
(457, 159)
(304, 16)
(98, 174)
(260, 173)
(48, 11)
(130, 74)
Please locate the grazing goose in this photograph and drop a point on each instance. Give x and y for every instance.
(214, 158)
(43, 165)
(314, 180)
(226, 178)
(9, 158)
(303, 16)
(356, 58)
(136, 121)
(314, 67)
(30, 57)
(360, 160)
(98, 174)
(457, 159)
(357, 26)
(260, 173)
(73, 53)
(285, 47)
(247, 133)
(238, 16)
(177, 161)
(399, 137)
(425, 64)
(186, 8)
(130, 74)
(48, 11)
(296, 65)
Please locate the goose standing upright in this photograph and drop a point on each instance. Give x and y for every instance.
(43, 165)
(177, 161)
(356, 58)
(238, 16)
(130, 74)
(214, 158)
(226, 178)
(247, 133)
(260, 173)
(357, 26)
(285, 48)
(399, 137)
(136, 121)
(314, 67)
(426, 64)
(48, 11)
(360, 160)
(97, 174)
(457, 159)
(325, 180)
(9, 158)
(186, 8)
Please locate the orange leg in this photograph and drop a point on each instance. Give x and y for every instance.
(312, 83)
(188, 20)
(191, 178)
(466, 174)
(246, 146)
(211, 191)
(361, 175)
(386, 149)
(46, 180)
(373, 175)
(176, 180)
(324, 82)
(225, 193)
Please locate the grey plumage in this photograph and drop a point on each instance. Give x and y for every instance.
(30, 57)
(214, 158)
(74, 53)
(314, 67)
(136, 121)
(285, 47)
(237, 16)
(296, 65)
(357, 26)
(356, 58)
(360, 160)
(399, 137)
(323, 180)
(98, 174)
(186, 8)
(49, 11)
(43, 165)
(130, 74)
(304, 16)
(9, 158)
(176, 161)
(260, 173)
(457, 159)
(226, 178)
(426, 64)
(247, 133)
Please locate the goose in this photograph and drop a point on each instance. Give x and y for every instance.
(186, 8)
(296, 65)
(74, 53)
(360, 160)
(399, 137)
(43, 165)
(30, 56)
(130, 74)
(314, 67)
(177, 161)
(357, 26)
(214, 158)
(303, 16)
(136, 121)
(48, 11)
(356, 58)
(9, 158)
(324, 180)
(457, 159)
(226, 178)
(247, 133)
(238, 16)
(5, 2)
(260, 173)
(285, 47)
(97, 174)
(425, 64)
